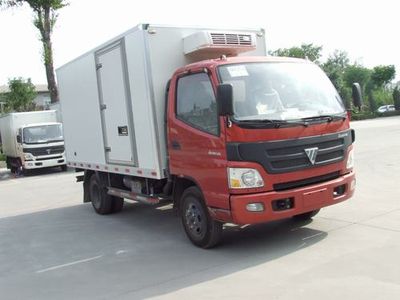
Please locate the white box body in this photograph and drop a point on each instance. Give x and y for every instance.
(12, 122)
(113, 98)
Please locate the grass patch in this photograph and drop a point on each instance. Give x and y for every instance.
(2, 156)
(369, 115)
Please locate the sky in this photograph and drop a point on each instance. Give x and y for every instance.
(367, 30)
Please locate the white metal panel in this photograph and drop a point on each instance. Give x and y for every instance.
(8, 136)
(114, 105)
(77, 83)
(142, 110)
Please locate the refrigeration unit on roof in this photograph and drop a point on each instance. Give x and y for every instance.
(219, 43)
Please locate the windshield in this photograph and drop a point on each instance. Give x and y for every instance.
(280, 91)
(43, 134)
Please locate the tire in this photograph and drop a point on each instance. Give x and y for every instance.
(306, 216)
(117, 204)
(13, 170)
(11, 165)
(64, 168)
(200, 228)
(101, 201)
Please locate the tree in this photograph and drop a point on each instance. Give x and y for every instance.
(357, 73)
(339, 59)
(334, 68)
(21, 95)
(396, 98)
(306, 51)
(382, 75)
(45, 17)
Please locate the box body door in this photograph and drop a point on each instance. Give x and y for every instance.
(115, 105)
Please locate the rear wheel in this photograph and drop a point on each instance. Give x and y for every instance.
(101, 201)
(13, 164)
(306, 216)
(200, 228)
(13, 169)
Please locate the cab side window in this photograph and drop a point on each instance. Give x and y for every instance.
(196, 104)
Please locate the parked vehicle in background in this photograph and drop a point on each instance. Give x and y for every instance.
(32, 140)
(386, 108)
(181, 114)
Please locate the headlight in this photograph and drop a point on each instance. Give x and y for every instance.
(28, 156)
(241, 178)
(350, 159)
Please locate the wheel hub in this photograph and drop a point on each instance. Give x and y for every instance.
(194, 220)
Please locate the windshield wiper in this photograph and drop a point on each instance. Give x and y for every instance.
(273, 123)
(328, 118)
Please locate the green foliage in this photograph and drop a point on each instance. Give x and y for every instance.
(305, 51)
(372, 105)
(21, 95)
(36, 4)
(343, 74)
(2, 156)
(396, 98)
(362, 115)
(382, 96)
(382, 75)
(371, 115)
(356, 73)
(334, 68)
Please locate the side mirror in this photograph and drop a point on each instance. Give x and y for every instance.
(225, 99)
(357, 95)
(19, 139)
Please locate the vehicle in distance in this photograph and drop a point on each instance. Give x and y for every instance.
(386, 108)
(32, 140)
(203, 118)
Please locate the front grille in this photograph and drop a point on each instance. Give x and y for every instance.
(56, 157)
(304, 182)
(287, 158)
(290, 155)
(231, 39)
(45, 150)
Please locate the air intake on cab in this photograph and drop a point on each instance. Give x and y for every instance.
(217, 43)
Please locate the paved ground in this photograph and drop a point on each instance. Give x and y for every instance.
(54, 247)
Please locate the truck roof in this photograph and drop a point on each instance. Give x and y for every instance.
(40, 124)
(27, 113)
(240, 59)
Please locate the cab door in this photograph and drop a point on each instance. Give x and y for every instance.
(196, 136)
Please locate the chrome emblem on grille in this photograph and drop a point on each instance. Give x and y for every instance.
(48, 151)
(312, 154)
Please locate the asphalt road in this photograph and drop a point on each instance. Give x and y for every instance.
(54, 247)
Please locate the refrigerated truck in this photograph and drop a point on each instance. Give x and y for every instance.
(204, 118)
(32, 140)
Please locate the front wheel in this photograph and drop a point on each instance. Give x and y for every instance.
(200, 228)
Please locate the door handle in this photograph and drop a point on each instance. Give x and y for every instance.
(175, 145)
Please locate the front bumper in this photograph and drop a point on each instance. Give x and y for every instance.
(45, 163)
(304, 199)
